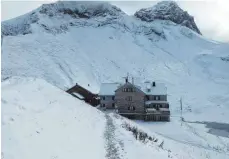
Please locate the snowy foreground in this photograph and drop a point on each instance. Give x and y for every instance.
(42, 121)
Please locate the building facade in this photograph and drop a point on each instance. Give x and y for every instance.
(148, 102)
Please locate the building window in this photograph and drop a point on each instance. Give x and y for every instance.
(103, 98)
(128, 90)
(131, 108)
(103, 105)
(157, 98)
(113, 105)
(151, 105)
(113, 97)
(129, 98)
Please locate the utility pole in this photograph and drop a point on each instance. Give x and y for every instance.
(1, 41)
(181, 109)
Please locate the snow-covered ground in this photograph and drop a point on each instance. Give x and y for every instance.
(42, 121)
(64, 50)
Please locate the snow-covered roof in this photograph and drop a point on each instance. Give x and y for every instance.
(147, 88)
(158, 89)
(108, 88)
(155, 101)
(78, 95)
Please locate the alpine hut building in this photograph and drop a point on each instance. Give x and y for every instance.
(148, 102)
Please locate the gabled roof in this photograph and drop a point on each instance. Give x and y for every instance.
(109, 88)
(129, 84)
(147, 88)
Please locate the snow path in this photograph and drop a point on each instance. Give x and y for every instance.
(112, 150)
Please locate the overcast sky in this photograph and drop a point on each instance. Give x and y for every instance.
(212, 17)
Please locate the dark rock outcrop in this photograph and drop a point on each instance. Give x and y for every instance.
(79, 9)
(167, 10)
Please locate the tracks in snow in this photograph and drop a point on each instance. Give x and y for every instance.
(112, 145)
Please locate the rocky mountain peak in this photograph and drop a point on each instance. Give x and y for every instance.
(80, 9)
(168, 10)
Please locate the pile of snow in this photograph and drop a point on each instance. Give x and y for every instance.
(167, 10)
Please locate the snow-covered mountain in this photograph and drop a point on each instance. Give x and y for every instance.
(168, 11)
(94, 42)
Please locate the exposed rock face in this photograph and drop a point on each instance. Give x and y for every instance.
(75, 9)
(19, 25)
(79, 9)
(168, 10)
(67, 14)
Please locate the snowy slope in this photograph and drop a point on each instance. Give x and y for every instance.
(34, 126)
(42, 121)
(65, 47)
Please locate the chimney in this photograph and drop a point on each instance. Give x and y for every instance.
(132, 80)
(154, 84)
(126, 79)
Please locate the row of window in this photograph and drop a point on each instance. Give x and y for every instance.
(154, 98)
(128, 90)
(129, 98)
(104, 98)
(113, 105)
(131, 107)
(156, 106)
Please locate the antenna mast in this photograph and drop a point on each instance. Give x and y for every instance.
(126, 78)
